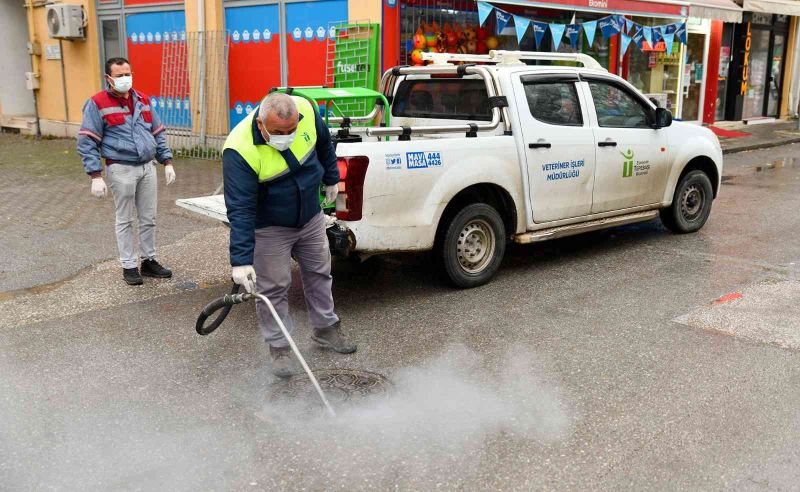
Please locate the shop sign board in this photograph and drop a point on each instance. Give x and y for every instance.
(660, 46)
(746, 61)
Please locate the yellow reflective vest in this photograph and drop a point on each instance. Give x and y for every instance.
(267, 162)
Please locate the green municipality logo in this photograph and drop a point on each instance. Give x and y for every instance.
(627, 164)
(306, 137)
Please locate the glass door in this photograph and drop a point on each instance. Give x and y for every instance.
(725, 53)
(775, 75)
(693, 77)
(757, 75)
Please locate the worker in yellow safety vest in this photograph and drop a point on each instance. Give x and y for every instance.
(274, 162)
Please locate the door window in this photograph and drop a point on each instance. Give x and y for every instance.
(555, 103)
(111, 46)
(616, 108)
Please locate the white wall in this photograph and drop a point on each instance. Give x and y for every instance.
(15, 99)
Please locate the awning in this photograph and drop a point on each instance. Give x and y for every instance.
(724, 10)
(784, 7)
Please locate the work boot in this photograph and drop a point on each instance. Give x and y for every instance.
(131, 276)
(151, 268)
(332, 338)
(281, 361)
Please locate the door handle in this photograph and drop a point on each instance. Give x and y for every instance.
(607, 143)
(539, 145)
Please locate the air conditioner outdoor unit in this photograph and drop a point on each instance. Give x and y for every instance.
(65, 21)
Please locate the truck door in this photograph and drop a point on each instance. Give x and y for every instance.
(631, 155)
(558, 144)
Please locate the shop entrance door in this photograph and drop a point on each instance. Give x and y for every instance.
(775, 75)
(693, 76)
(757, 75)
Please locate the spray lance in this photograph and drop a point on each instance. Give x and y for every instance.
(227, 302)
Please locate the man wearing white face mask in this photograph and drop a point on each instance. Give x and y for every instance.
(273, 164)
(120, 126)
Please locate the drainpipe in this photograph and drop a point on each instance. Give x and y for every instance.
(34, 61)
(794, 88)
(201, 99)
(64, 89)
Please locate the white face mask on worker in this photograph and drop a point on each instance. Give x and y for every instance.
(123, 84)
(280, 142)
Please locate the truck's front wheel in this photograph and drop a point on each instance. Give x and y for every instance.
(691, 204)
(472, 246)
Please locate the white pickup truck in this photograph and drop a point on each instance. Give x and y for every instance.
(502, 150)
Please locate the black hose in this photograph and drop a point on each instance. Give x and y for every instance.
(225, 303)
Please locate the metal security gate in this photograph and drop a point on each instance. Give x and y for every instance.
(193, 98)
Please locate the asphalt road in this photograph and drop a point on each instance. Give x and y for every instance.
(626, 359)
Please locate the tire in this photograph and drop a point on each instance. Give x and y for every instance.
(471, 246)
(691, 204)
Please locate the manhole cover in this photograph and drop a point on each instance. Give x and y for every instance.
(342, 387)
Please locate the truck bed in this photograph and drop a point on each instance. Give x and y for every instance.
(211, 206)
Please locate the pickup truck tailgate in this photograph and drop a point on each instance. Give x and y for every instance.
(211, 206)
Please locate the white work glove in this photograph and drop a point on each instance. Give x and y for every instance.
(245, 276)
(330, 194)
(99, 188)
(169, 174)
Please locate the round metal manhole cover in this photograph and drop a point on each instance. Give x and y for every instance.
(342, 387)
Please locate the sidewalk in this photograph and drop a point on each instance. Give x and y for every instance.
(50, 225)
(760, 136)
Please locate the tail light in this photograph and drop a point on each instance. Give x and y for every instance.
(352, 171)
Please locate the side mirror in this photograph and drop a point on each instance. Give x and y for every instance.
(663, 118)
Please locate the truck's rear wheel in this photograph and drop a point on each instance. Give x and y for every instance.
(472, 246)
(691, 204)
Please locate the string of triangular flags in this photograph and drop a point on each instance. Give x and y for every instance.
(610, 25)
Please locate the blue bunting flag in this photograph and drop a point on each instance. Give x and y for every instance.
(589, 28)
(539, 30)
(572, 32)
(521, 25)
(484, 9)
(557, 30)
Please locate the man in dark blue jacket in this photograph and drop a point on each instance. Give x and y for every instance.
(274, 162)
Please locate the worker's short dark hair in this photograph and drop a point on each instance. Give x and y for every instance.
(115, 61)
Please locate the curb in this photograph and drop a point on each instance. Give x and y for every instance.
(760, 145)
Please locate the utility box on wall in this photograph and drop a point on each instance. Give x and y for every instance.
(31, 81)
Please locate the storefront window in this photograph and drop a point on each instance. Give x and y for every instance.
(452, 26)
(653, 71)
